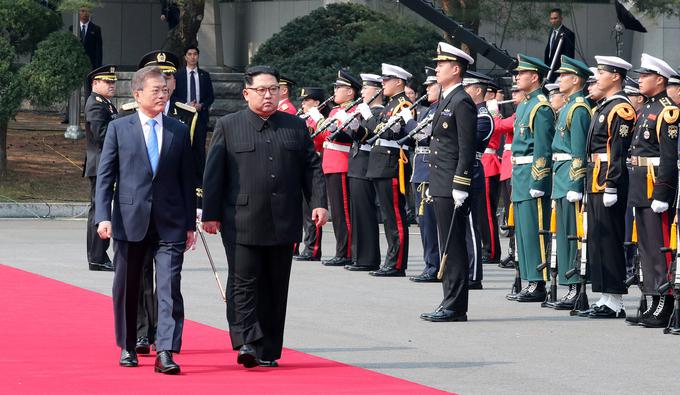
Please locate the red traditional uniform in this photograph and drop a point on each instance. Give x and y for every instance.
(287, 106)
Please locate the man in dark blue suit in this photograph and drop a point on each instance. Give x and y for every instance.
(147, 156)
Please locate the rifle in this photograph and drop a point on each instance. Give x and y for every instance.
(422, 125)
(552, 294)
(636, 278)
(673, 326)
(393, 121)
(581, 303)
(517, 284)
(319, 107)
(352, 116)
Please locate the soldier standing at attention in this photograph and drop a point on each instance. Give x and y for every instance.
(285, 104)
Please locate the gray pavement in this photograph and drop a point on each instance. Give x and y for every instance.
(506, 347)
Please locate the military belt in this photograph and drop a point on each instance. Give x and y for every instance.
(335, 147)
(644, 160)
(366, 147)
(390, 143)
(489, 151)
(507, 147)
(559, 157)
(423, 150)
(522, 160)
(602, 156)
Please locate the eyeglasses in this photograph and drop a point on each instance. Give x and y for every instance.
(273, 90)
(157, 92)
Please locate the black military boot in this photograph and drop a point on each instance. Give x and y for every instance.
(569, 300)
(635, 320)
(661, 315)
(535, 293)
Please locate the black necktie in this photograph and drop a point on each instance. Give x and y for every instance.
(82, 33)
(192, 87)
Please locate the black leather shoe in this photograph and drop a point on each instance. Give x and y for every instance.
(143, 346)
(444, 315)
(605, 311)
(475, 285)
(165, 364)
(247, 356)
(535, 292)
(425, 278)
(267, 364)
(306, 257)
(360, 268)
(586, 313)
(337, 261)
(661, 315)
(489, 261)
(128, 359)
(101, 267)
(568, 301)
(507, 263)
(388, 273)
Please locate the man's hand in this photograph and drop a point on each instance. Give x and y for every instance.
(406, 115)
(191, 240)
(341, 116)
(609, 199)
(163, 17)
(315, 114)
(573, 196)
(198, 106)
(535, 193)
(365, 111)
(104, 230)
(320, 216)
(211, 227)
(659, 206)
(459, 197)
(199, 215)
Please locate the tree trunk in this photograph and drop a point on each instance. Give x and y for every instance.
(184, 34)
(3, 147)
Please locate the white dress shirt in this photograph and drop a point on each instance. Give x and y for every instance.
(198, 86)
(87, 25)
(448, 91)
(143, 118)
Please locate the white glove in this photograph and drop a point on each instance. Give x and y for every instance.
(314, 114)
(406, 115)
(659, 206)
(427, 193)
(535, 193)
(573, 196)
(341, 116)
(459, 197)
(354, 124)
(199, 215)
(492, 106)
(365, 111)
(609, 199)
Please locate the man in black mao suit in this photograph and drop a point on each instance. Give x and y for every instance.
(568, 43)
(147, 156)
(452, 147)
(261, 163)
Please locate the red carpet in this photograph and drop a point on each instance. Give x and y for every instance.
(58, 338)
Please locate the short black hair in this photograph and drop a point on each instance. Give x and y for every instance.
(557, 10)
(252, 72)
(190, 47)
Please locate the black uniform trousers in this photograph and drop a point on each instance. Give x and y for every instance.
(395, 222)
(506, 193)
(363, 213)
(428, 232)
(473, 238)
(312, 234)
(96, 247)
(653, 232)
(129, 258)
(606, 234)
(630, 250)
(198, 146)
(337, 186)
(456, 272)
(258, 292)
(491, 245)
(147, 310)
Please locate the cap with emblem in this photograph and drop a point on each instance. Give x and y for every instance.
(674, 80)
(574, 66)
(312, 92)
(593, 78)
(392, 71)
(530, 63)
(446, 51)
(347, 79)
(651, 65)
(106, 73)
(168, 62)
(552, 88)
(286, 81)
(632, 88)
(475, 78)
(612, 64)
(430, 76)
(371, 80)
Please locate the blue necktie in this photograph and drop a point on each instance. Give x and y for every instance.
(152, 146)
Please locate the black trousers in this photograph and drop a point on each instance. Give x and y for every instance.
(363, 213)
(129, 258)
(198, 146)
(258, 295)
(337, 186)
(395, 223)
(456, 272)
(606, 234)
(473, 236)
(312, 234)
(147, 310)
(428, 231)
(653, 233)
(96, 247)
(505, 194)
(488, 226)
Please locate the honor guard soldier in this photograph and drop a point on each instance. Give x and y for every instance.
(365, 236)
(556, 98)
(606, 186)
(334, 163)
(311, 98)
(653, 184)
(99, 111)
(285, 105)
(569, 171)
(673, 88)
(453, 155)
(476, 85)
(388, 168)
(531, 176)
(420, 179)
(632, 91)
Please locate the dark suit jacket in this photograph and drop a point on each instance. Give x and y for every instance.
(256, 175)
(452, 146)
(98, 113)
(92, 43)
(166, 198)
(205, 91)
(568, 46)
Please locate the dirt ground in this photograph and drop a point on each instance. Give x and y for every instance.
(43, 165)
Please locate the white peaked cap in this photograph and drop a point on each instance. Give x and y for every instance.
(389, 70)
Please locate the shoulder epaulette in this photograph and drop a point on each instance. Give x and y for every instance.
(542, 98)
(580, 100)
(130, 106)
(542, 103)
(625, 111)
(184, 106)
(99, 99)
(572, 109)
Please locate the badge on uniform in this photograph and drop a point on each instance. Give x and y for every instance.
(646, 134)
(445, 125)
(623, 131)
(672, 131)
(446, 112)
(601, 119)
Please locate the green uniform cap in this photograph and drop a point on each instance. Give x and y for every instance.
(532, 64)
(574, 66)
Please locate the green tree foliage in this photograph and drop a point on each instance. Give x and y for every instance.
(311, 49)
(25, 23)
(658, 7)
(11, 89)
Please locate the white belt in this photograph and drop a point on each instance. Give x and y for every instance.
(366, 147)
(390, 143)
(422, 150)
(489, 151)
(522, 160)
(603, 157)
(507, 147)
(645, 160)
(335, 147)
(559, 157)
